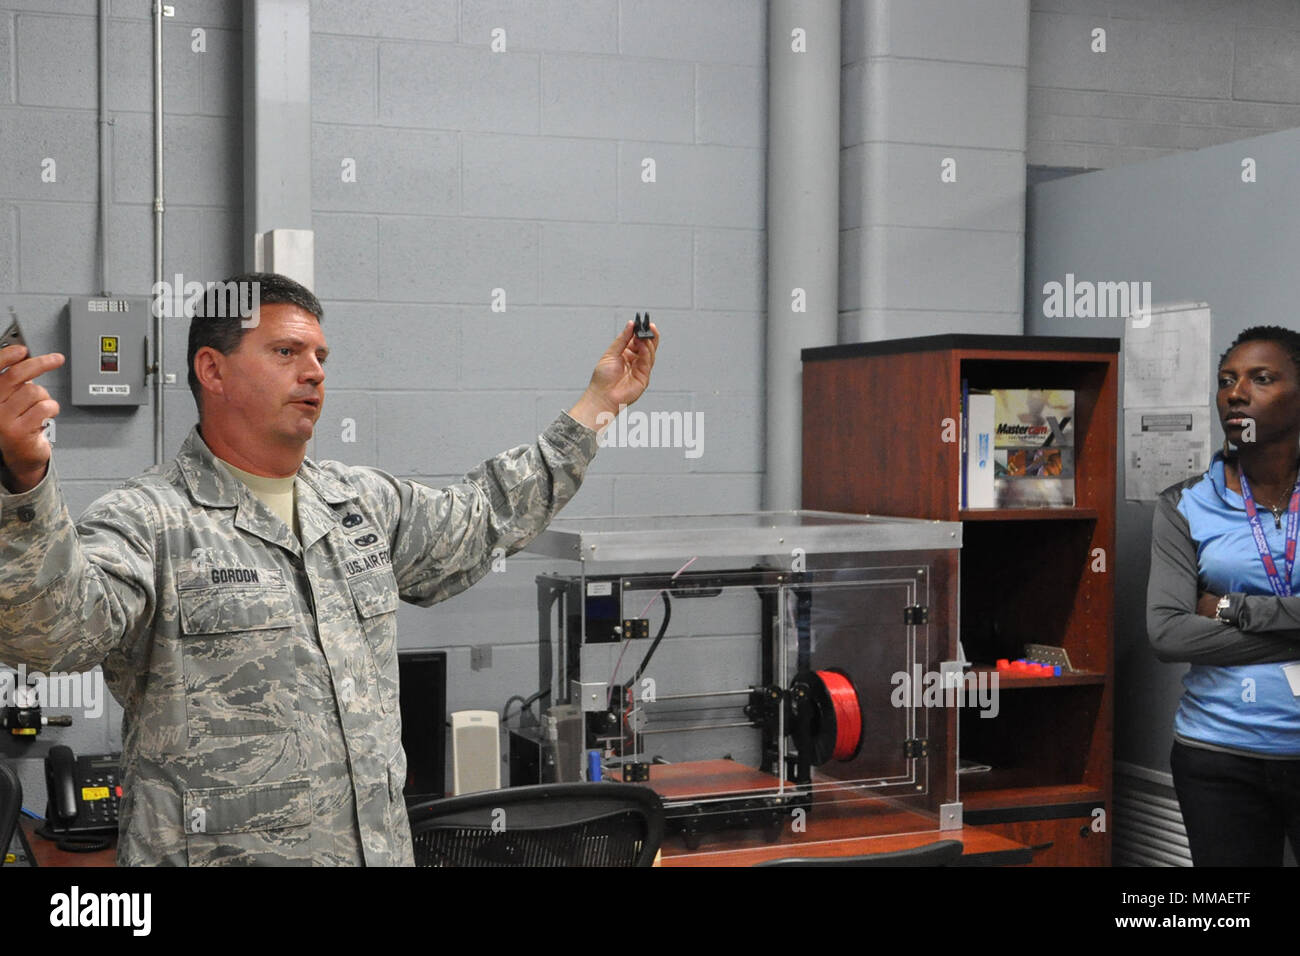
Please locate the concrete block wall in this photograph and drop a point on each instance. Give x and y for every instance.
(521, 169)
(1176, 75)
(48, 225)
(925, 82)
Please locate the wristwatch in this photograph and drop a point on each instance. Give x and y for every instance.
(1226, 610)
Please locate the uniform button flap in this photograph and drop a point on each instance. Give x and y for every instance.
(26, 513)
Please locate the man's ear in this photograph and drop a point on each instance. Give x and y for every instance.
(209, 368)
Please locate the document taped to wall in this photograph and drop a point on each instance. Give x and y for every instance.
(1167, 356)
(1163, 446)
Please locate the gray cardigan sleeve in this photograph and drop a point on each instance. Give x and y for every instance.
(1177, 633)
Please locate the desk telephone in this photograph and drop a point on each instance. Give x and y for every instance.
(84, 795)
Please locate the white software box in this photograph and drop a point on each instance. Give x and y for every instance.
(979, 451)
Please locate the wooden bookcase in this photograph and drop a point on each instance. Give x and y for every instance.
(877, 423)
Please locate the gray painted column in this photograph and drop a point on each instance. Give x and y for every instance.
(277, 119)
(933, 213)
(802, 221)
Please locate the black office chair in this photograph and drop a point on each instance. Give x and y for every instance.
(943, 853)
(563, 824)
(11, 805)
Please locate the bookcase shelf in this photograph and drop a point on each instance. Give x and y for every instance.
(1008, 682)
(1010, 798)
(1037, 575)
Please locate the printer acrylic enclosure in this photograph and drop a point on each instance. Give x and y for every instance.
(759, 671)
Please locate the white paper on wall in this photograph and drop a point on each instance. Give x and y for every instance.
(1167, 357)
(1163, 446)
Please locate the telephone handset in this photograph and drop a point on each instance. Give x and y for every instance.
(84, 795)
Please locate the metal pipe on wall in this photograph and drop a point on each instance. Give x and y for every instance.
(105, 149)
(159, 419)
(803, 217)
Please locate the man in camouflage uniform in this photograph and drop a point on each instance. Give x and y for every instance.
(257, 662)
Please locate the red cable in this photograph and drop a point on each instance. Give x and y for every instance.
(848, 715)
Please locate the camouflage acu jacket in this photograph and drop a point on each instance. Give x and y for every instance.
(258, 675)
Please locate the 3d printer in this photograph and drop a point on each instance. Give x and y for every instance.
(748, 667)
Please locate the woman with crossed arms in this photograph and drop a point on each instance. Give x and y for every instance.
(1224, 596)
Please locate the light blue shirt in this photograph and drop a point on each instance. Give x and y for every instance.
(1244, 707)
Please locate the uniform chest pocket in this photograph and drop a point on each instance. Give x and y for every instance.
(375, 597)
(238, 659)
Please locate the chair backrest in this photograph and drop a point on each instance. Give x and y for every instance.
(942, 853)
(566, 824)
(11, 804)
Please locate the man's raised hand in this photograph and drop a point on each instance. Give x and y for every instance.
(620, 377)
(24, 409)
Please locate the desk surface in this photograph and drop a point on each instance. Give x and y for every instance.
(980, 848)
(840, 823)
(48, 854)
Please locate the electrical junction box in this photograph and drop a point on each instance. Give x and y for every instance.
(108, 342)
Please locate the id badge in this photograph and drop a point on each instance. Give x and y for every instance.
(1292, 672)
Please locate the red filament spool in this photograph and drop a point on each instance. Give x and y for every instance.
(844, 712)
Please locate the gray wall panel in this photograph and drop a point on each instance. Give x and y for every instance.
(1190, 226)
